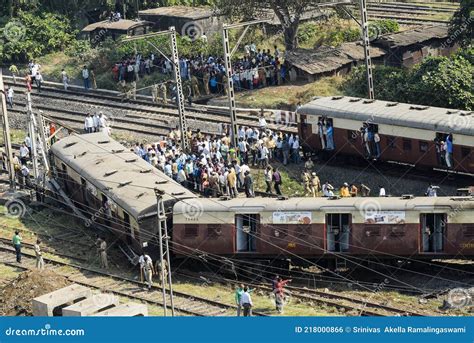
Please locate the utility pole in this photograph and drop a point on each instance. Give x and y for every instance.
(32, 132)
(6, 135)
(228, 68)
(366, 43)
(177, 76)
(163, 229)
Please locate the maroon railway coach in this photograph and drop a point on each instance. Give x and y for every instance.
(317, 228)
(408, 133)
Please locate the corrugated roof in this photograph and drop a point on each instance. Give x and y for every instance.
(414, 36)
(103, 162)
(435, 119)
(122, 24)
(180, 11)
(326, 59)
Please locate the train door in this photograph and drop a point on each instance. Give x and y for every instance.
(338, 232)
(246, 226)
(433, 231)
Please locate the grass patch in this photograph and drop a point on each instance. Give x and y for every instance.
(287, 96)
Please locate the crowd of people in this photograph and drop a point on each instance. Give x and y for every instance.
(206, 74)
(215, 167)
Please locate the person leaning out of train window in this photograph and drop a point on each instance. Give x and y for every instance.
(377, 145)
(329, 137)
(353, 190)
(449, 150)
(345, 190)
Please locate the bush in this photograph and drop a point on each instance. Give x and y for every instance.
(31, 35)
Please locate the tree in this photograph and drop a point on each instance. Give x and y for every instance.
(461, 27)
(437, 81)
(287, 11)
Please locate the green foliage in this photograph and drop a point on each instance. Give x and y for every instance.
(306, 32)
(384, 26)
(31, 35)
(332, 32)
(461, 27)
(437, 81)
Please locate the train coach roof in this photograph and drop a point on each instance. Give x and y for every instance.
(255, 205)
(391, 113)
(102, 161)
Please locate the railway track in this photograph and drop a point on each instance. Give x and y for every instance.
(361, 307)
(71, 106)
(185, 304)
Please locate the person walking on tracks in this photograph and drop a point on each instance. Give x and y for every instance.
(39, 255)
(102, 249)
(146, 268)
(246, 302)
(162, 277)
(17, 245)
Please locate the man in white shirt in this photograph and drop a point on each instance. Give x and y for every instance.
(39, 81)
(262, 122)
(85, 77)
(246, 302)
(24, 153)
(95, 118)
(146, 268)
(295, 150)
(327, 189)
(65, 79)
(382, 191)
(102, 121)
(89, 123)
(9, 94)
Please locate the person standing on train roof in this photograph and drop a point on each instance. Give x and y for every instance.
(345, 190)
(382, 192)
(315, 185)
(432, 191)
(277, 180)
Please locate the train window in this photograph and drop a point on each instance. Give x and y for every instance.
(397, 231)
(423, 146)
(465, 152)
(352, 135)
(406, 144)
(372, 230)
(213, 232)
(391, 142)
(190, 231)
(303, 231)
(338, 232)
(468, 230)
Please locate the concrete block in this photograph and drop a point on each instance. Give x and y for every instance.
(87, 307)
(51, 304)
(126, 310)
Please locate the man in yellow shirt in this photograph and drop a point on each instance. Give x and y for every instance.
(345, 190)
(232, 181)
